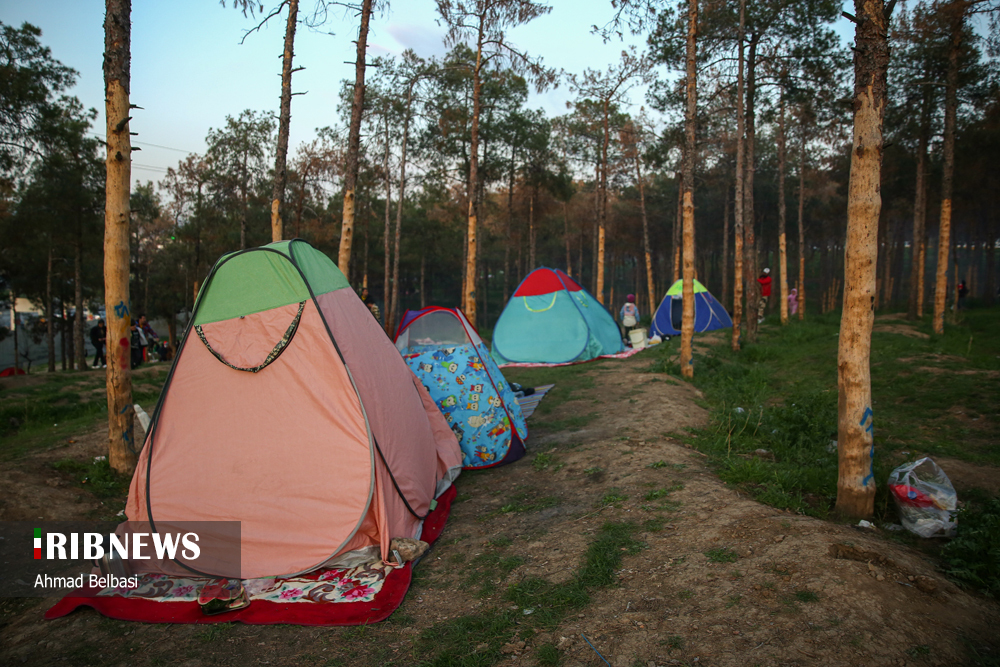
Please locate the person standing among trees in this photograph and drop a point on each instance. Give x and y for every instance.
(99, 339)
(629, 315)
(765, 293)
(963, 291)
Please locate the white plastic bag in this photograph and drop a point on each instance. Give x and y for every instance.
(925, 498)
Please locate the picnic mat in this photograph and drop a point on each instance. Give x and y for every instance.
(340, 596)
(621, 355)
(529, 403)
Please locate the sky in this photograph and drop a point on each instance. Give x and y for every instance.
(189, 70)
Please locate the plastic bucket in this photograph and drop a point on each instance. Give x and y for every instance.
(638, 338)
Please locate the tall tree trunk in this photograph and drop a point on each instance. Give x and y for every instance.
(687, 320)
(782, 256)
(81, 349)
(245, 203)
(423, 267)
(15, 329)
(597, 222)
(507, 227)
(469, 297)
(386, 290)
(569, 258)
(751, 285)
(284, 120)
(917, 248)
(354, 143)
(991, 256)
(802, 236)
(922, 269)
(645, 235)
(603, 213)
(50, 337)
(855, 427)
(678, 226)
(957, 11)
(738, 201)
(531, 229)
(725, 248)
(394, 308)
(122, 449)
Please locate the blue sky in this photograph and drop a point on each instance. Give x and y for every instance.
(189, 69)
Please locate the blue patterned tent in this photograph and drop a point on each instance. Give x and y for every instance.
(447, 355)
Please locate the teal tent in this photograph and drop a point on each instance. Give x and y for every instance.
(551, 319)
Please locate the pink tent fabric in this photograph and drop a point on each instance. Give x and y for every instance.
(288, 451)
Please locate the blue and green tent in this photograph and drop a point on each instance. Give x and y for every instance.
(708, 313)
(551, 319)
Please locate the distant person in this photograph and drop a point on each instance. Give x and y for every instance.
(372, 306)
(152, 338)
(365, 298)
(963, 291)
(629, 315)
(765, 293)
(137, 342)
(99, 339)
(793, 301)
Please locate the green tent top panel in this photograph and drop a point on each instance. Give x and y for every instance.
(678, 287)
(252, 281)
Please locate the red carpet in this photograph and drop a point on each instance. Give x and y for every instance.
(265, 612)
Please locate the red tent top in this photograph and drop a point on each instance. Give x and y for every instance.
(546, 281)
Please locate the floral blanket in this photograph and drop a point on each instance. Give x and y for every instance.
(359, 584)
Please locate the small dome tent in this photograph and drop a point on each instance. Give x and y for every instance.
(289, 410)
(447, 355)
(708, 313)
(551, 319)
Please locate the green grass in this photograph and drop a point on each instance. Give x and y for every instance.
(527, 500)
(611, 498)
(721, 555)
(806, 596)
(973, 557)
(61, 405)
(569, 382)
(542, 461)
(780, 395)
(477, 640)
(97, 477)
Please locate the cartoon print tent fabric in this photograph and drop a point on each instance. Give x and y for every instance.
(551, 319)
(708, 313)
(447, 355)
(289, 410)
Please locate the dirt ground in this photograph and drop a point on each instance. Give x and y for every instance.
(726, 581)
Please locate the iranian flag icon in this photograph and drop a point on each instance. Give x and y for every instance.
(38, 543)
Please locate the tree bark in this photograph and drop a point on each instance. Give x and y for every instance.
(917, 249)
(510, 219)
(122, 448)
(957, 10)
(738, 191)
(687, 320)
(603, 212)
(855, 428)
(354, 143)
(645, 235)
(725, 248)
(284, 120)
(50, 337)
(750, 283)
(782, 256)
(531, 230)
(394, 309)
(81, 349)
(801, 295)
(569, 258)
(386, 291)
(469, 297)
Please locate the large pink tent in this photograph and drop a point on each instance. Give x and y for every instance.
(289, 410)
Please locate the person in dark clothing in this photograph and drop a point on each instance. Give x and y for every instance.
(99, 339)
(765, 293)
(963, 291)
